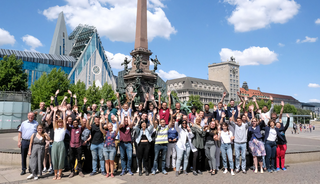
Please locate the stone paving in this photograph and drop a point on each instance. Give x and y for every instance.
(296, 173)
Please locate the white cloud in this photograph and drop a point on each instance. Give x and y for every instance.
(6, 38)
(115, 60)
(308, 39)
(317, 21)
(250, 56)
(281, 44)
(114, 19)
(172, 74)
(314, 100)
(32, 41)
(256, 14)
(313, 85)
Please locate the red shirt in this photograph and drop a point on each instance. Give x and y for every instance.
(164, 114)
(125, 134)
(75, 134)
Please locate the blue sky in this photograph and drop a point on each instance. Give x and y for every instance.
(276, 42)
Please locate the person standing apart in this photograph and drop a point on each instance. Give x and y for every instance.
(26, 130)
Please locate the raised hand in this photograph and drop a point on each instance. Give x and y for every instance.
(239, 108)
(224, 94)
(63, 108)
(225, 106)
(215, 108)
(101, 101)
(282, 103)
(245, 98)
(74, 96)
(135, 114)
(154, 111)
(262, 117)
(168, 93)
(85, 100)
(271, 98)
(57, 92)
(117, 94)
(259, 111)
(171, 112)
(55, 109)
(79, 115)
(150, 117)
(70, 92)
(206, 120)
(151, 97)
(233, 112)
(147, 96)
(108, 112)
(188, 128)
(288, 115)
(251, 107)
(51, 98)
(65, 97)
(223, 115)
(246, 113)
(159, 92)
(254, 99)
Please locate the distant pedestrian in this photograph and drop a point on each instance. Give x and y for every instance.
(26, 130)
(310, 127)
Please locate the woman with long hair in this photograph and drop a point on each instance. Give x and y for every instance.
(36, 151)
(212, 135)
(109, 147)
(198, 142)
(143, 141)
(58, 148)
(282, 144)
(255, 144)
(184, 145)
(226, 150)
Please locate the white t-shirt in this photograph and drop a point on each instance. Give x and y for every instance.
(226, 136)
(272, 134)
(59, 134)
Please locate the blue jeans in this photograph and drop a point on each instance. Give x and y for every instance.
(109, 153)
(182, 154)
(157, 149)
(271, 149)
(126, 149)
(243, 149)
(226, 150)
(97, 150)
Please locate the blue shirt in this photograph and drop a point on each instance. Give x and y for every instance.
(173, 134)
(28, 128)
(229, 112)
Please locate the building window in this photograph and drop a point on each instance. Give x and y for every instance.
(63, 34)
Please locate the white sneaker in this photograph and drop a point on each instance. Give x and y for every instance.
(232, 173)
(50, 169)
(44, 170)
(35, 178)
(225, 171)
(138, 170)
(30, 176)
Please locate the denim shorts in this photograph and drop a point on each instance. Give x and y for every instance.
(109, 152)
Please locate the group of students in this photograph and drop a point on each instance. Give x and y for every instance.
(183, 139)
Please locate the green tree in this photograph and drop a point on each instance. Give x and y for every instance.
(195, 101)
(46, 86)
(93, 94)
(79, 89)
(107, 93)
(12, 76)
(211, 105)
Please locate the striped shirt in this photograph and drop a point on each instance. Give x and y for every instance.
(162, 135)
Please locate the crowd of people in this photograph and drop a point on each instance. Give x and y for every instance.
(60, 137)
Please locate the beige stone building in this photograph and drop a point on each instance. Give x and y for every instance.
(227, 73)
(209, 91)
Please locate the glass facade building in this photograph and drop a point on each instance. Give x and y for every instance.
(92, 63)
(36, 63)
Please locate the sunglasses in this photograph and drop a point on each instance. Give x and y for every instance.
(184, 123)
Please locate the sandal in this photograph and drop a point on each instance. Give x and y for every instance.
(59, 177)
(55, 177)
(213, 173)
(107, 175)
(112, 176)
